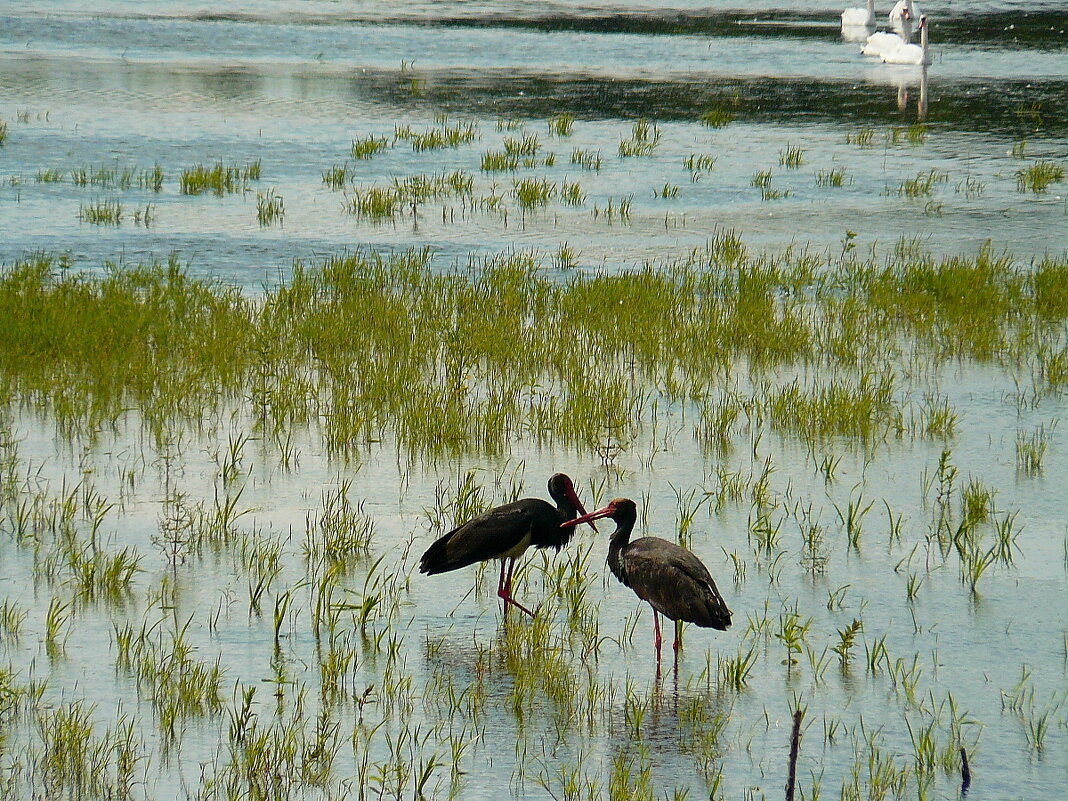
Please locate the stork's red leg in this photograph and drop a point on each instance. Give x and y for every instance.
(500, 589)
(505, 591)
(678, 628)
(656, 634)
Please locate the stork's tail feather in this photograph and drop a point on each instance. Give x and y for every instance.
(436, 558)
(717, 614)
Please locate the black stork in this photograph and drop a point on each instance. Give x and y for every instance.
(505, 532)
(674, 581)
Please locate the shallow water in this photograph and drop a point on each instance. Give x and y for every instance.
(292, 84)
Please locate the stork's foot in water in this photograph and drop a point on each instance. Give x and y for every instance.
(504, 587)
(508, 599)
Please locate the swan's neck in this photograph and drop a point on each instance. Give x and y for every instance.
(871, 9)
(924, 41)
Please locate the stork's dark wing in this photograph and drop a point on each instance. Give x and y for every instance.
(490, 535)
(675, 582)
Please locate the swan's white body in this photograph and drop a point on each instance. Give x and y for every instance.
(911, 53)
(881, 43)
(860, 17)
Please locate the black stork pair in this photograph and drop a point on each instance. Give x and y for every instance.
(670, 578)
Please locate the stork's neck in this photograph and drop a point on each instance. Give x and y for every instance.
(620, 540)
(565, 507)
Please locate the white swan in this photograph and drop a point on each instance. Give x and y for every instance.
(882, 42)
(904, 11)
(911, 53)
(860, 17)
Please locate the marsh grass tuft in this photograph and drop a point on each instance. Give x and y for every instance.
(337, 176)
(834, 177)
(644, 138)
(499, 162)
(270, 208)
(1031, 448)
(369, 146)
(528, 146)
(151, 179)
(375, 202)
(49, 176)
(792, 157)
(700, 162)
(571, 193)
(717, 118)
(587, 159)
(923, 184)
(1038, 177)
(101, 212)
(219, 179)
(562, 124)
(532, 193)
(447, 134)
(865, 137)
(762, 180)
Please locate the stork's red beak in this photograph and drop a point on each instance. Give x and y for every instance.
(574, 498)
(589, 518)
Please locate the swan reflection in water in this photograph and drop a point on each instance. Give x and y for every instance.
(903, 95)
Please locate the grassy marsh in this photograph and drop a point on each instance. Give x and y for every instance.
(364, 348)
(212, 500)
